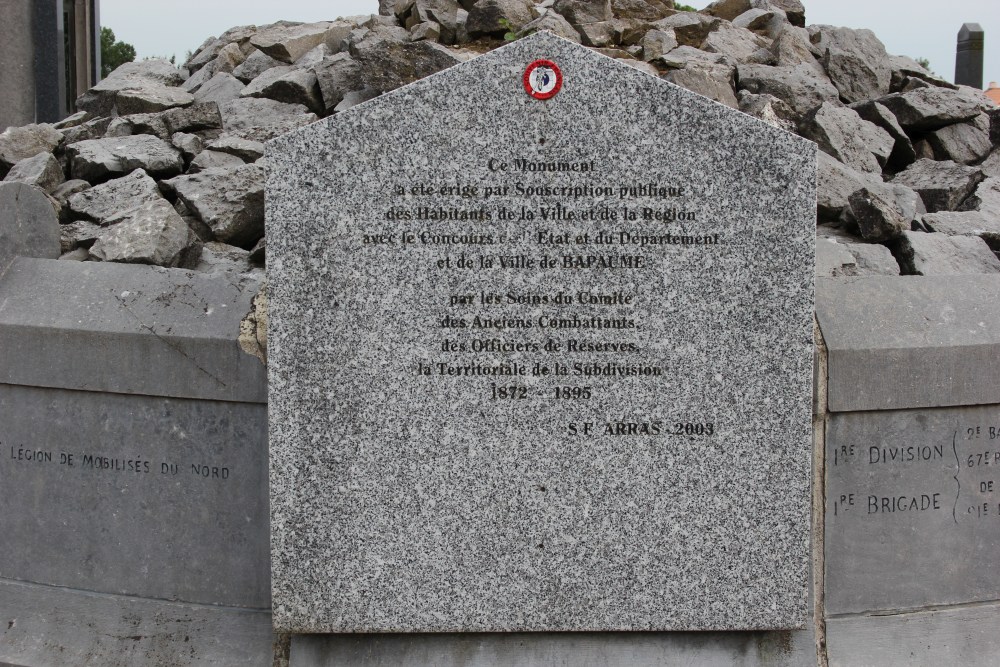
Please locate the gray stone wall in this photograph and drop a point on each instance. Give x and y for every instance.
(897, 582)
(910, 421)
(133, 475)
(17, 107)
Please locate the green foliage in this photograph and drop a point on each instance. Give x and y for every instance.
(926, 64)
(172, 59)
(114, 53)
(684, 8)
(511, 34)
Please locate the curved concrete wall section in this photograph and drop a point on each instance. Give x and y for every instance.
(133, 469)
(136, 529)
(17, 76)
(912, 459)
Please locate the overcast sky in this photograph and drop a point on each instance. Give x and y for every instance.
(917, 28)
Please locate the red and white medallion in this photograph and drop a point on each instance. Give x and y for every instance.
(542, 79)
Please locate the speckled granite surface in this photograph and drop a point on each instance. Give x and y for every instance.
(405, 501)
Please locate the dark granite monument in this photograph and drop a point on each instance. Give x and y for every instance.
(969, 55)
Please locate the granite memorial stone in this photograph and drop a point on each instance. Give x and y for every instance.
(540, 356)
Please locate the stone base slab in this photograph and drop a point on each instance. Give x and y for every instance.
(45, 625)
(960, 635)
(595, 649)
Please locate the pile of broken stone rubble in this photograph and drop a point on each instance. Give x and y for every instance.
(164, 165)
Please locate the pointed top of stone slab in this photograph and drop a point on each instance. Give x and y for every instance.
(589, 78)
(970, 31)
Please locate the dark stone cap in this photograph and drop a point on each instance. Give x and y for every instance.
(971, 31)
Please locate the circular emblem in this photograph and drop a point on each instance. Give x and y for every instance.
(542, 79)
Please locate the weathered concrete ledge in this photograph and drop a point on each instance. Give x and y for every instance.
(127, 329)
(910, 342)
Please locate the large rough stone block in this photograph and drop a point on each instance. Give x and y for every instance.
(690, 29)
(930, 254)
(153, 74)
(711, 81)
(835, 183)
(800, 87)
(902, 151)
(98, 160)
(288, 43)
(256, 64)
(209, 159)
(839, 254)
(288, 83)
(496, 17)
(877, 215)
(28, 224)
(855, 61)
(154, 234)
(116, 200)
(740, 44)
(229, 200)
(338, 75)
(201, 116)
(221, 88)
(964, 143)
(20, 143)
(793, 9)
(140, 123)
(263, 119)
(966, 223)
(842, 133)
(151, 99)
(931, 107)
(942, 185)
(43, 171)
(389, 64)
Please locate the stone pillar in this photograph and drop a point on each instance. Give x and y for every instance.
(94, 16)
(49, 61)
(969, 57)
(17, 78)
(42, 71)
(86, 44)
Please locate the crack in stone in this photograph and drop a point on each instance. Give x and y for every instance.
(166, 342)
